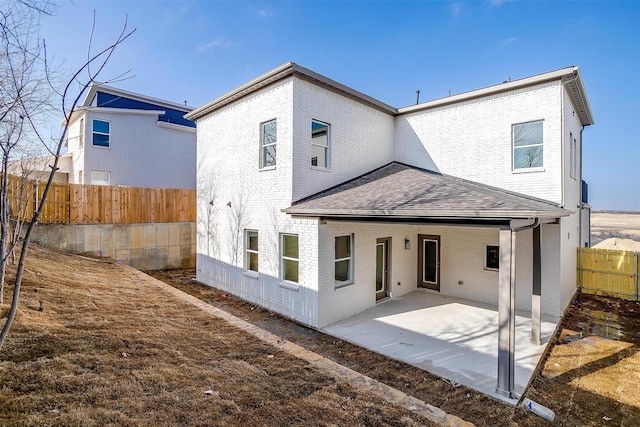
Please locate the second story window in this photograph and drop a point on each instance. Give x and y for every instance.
(268, 139)
(527, 145)
(320, 144)
(101, 133)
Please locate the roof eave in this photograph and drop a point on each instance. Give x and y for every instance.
(285, 70)
(466, 214)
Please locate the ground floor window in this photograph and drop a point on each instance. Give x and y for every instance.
(492, 257)
(290, 257)
(343, 260)
(251, 250)
(100, 178)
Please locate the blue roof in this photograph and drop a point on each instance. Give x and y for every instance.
(171, 115)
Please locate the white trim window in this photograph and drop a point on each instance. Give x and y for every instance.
(100, 178)
(527, 142)
(343, 270)
(81, 134)
(268, 140)
(492, 258)
(101, 130)
(320, 143)
(251, 250)
(289, 262)
(573, 143)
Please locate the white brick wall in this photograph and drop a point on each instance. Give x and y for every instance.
(361, 138)
(472, 139)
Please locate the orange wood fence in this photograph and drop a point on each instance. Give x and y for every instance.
(98, 204)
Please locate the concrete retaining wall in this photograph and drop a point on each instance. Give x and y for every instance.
(142, 246)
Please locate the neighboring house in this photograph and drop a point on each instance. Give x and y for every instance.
(122, 138)
(317, 201)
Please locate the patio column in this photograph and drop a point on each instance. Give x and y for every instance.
(536, 305)
(506, 313)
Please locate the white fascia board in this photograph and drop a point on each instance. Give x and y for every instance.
(106, 110)
(132, 95)
(491, 90)
(178, 127)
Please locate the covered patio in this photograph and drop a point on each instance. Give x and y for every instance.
(450, 337)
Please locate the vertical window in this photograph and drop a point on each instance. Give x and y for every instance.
(268, 139)
(100, 178)
(251, 250)
(80, 179)
(81, 134)
(289, 265)
(101, 130)
(319, 144)
(492, 258)
(343, 263)
(573, 157)
(527, 145)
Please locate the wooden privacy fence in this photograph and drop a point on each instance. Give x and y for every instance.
(608, 272)
(99, 204)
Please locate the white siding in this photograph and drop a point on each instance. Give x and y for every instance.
(141, 153)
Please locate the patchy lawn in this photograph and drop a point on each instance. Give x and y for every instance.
(98, 344)
(586, 379)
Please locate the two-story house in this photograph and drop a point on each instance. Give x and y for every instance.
(117, 137)
(317, 201)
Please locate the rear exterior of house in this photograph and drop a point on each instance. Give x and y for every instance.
(308, 203)
(122, 138)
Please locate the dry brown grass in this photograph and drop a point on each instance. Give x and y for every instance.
(97, 344)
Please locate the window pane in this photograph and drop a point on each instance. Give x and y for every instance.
(527, 134)
(253, 261)
(342, 271)
(252, 240)
(318, 156)
(430, 269)
(319, 133)
(100, 140)
(290, 246)
(380, 267)
(343, 247)
(269, 133)
(101, 126)
(493, 257)
(269, 156)
(290, 270)
(527, 157)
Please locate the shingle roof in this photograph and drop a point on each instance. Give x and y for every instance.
(400, 190)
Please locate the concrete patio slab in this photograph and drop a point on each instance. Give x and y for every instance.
(450, 337)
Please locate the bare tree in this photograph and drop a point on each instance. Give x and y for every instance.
(207, 209)
(26, 75)
(237, 223)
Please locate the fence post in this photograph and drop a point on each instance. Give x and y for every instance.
(580, 251)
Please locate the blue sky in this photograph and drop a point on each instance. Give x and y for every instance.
(195, 51)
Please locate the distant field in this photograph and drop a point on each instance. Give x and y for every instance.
(605, 225)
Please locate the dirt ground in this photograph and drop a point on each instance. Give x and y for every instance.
(586, 379)
(96, 343)
(99, 344)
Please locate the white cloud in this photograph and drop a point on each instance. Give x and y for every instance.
(456, 8)
(509, 40)
(219, 43)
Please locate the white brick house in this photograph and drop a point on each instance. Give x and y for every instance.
(317, 201)
(122, 138)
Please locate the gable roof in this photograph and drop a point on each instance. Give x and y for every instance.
(397, 190)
